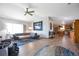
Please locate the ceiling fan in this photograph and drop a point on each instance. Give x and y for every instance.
(29, 12)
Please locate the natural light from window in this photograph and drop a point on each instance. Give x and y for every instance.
(13, 28)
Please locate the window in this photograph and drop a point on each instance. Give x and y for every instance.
(13, 28)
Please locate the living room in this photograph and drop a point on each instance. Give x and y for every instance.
(35, 27)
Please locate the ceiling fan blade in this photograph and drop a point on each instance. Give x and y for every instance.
(25, 13)
(30, 14)
(26, 9)
(31, 11)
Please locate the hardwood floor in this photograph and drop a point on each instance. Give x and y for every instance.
(32, 48)
(45, 47)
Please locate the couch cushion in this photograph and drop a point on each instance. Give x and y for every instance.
(32, 34)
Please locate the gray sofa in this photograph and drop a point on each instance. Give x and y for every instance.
(25, 36)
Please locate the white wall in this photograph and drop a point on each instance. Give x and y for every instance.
(46, 26)
(10, 20)
(45, 32)
(28, 24)
(2, 30)
(2, 25)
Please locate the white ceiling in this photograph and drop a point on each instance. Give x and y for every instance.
(59, 12)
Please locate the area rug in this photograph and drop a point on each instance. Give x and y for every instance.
(61, 51)
(49, 50)
(23, 42)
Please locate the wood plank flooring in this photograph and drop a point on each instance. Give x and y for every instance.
(32, 48)
(45, 47)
